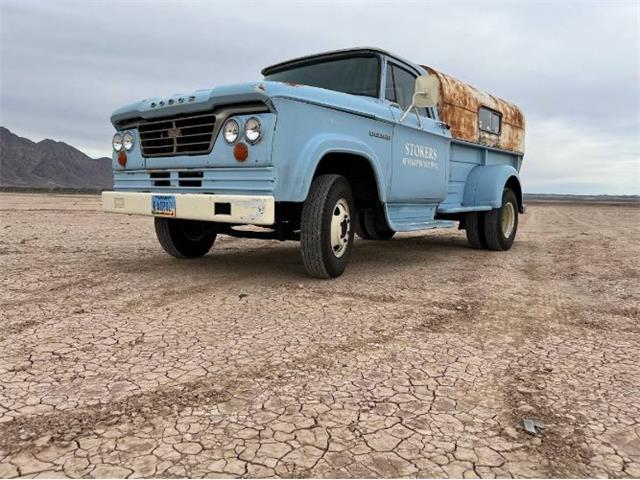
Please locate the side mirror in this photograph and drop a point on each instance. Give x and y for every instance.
(426, 94)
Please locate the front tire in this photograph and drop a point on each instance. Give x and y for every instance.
(326, 236)
(184, 238)
(501, 224)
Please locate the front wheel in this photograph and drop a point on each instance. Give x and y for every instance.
(326, 227)
(501, 224)
(184, 238)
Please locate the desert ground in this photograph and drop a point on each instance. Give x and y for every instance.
(423, 359)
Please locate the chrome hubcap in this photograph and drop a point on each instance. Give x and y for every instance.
(340, 228)
(507, 219)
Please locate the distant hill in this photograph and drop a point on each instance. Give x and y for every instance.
(50, 165)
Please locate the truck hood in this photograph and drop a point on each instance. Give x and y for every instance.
(208, 99)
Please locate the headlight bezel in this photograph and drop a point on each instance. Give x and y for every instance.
(257, 128)
(116, 142)
(231, 121)
(128, 135)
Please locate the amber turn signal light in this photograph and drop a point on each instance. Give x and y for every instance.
(241, 151)
(122, 159)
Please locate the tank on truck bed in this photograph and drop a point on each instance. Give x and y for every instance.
(478, 117)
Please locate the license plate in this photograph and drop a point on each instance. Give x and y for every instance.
(163, 205)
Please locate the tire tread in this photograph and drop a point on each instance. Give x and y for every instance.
(474, 229)
(317, 256)
(311, 238)
(492, 229)
(163, 232)
(172, 240)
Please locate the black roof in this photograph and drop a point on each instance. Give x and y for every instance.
(335, 53)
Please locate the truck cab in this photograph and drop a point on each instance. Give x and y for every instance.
(323, 147)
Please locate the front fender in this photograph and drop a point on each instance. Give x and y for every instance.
(485, 185)
(300, 173)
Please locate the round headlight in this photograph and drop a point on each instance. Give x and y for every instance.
(253, 130)
(231, 131)
(127, 141)
(117, 142)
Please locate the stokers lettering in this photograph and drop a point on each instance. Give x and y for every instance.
(420, 156)
(420, 151)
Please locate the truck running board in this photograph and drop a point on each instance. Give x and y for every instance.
(409, 217)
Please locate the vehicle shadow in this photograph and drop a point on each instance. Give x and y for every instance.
(282, 260)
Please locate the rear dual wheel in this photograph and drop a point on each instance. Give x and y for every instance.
(495, 229)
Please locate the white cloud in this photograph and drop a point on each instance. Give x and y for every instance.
(573, 68)
(570, 158)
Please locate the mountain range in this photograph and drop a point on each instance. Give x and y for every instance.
(49, 165)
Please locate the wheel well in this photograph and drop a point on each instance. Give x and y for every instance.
(358, 172)
(514, 184)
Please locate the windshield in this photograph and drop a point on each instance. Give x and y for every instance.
(354, 75)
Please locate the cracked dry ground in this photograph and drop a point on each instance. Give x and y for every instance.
(422, 360)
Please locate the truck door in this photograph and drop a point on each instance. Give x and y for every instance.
(420, 166)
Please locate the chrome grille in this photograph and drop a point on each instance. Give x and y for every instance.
(185, 135)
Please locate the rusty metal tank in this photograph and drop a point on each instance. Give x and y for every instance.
(459, 106)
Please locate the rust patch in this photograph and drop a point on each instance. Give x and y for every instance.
(459, 105)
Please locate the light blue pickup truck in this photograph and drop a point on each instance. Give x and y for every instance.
(323, 147)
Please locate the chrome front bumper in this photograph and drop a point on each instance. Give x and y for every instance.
(240, 209)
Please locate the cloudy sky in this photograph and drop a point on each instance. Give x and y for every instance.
(572, 67)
